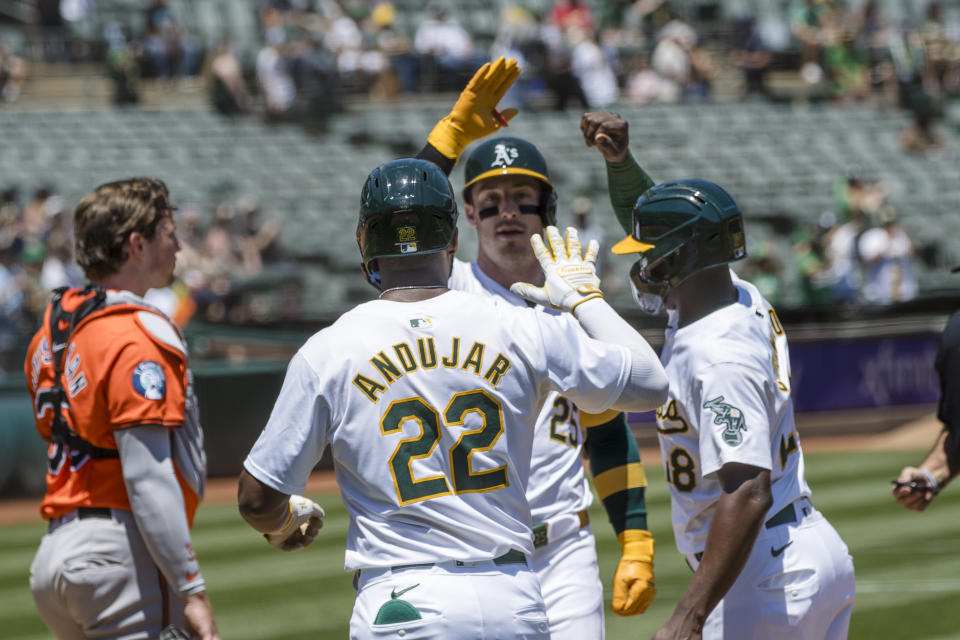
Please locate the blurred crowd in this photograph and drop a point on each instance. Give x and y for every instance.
(230, 269)
(578, 53)
(858, 253)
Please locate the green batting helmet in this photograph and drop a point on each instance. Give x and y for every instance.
(680, 228)
(407, 208)
(504, 156)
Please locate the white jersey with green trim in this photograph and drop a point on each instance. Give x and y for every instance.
(557, 484)
(729, 401)
(427, 409)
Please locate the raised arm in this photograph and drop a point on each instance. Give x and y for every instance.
(474, 115)
(571, 284)
(626, 180)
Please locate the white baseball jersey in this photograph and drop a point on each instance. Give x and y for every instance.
(729, 401)
(426, 407)
(557, 484)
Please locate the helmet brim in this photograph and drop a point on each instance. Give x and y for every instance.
(630, 245)
(508, 171)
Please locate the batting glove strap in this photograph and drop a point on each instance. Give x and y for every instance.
(569, 279)
(474, 115)
(636, 544)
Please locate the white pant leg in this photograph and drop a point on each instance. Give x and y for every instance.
(93, 578)
(805, 592)
(483, 603)
(570, 582)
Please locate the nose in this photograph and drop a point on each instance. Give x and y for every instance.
(509, 208)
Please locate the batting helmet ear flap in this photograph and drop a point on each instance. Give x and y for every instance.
(548, 207)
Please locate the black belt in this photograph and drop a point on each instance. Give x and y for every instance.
(86, 512)
(510, 557)
(787, 515)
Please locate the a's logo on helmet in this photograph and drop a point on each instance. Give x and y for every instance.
(503, 155)
(149, 380)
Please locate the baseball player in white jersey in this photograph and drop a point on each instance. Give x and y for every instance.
(508, 196)
(766, 563)
(427, 397)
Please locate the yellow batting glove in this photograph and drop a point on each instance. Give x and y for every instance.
(475, 114)
(633, 584)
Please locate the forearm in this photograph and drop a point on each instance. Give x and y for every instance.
(733, 531)
(626, 181)
(157, 503)
(618, 474)
(941, 462)
(647, 387)
(430, 154)
(264, 509)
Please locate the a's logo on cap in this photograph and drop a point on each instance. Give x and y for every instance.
(149, 380)
(406, 234)
(503, 155)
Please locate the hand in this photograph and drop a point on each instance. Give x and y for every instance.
(199, 617)
(678, 629)
(913, 499)
(633, 584)
(475, 114)
(608, 132)
(570, 279)
(301, 527)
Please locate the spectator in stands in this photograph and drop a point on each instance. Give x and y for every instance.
(842, 272)
(122, 65)
(171, 49)
(813, 278)
(13, 73)
(571, 13)
(942, 52)
(807, 18)
(763, 269)
(448, 46)
(671, 58)
(12, 302)
(752, 56)
(276, 82)
(228, 89)
(643, 83)
(887, 253)
(874, 35)
(847, 68)
(920, 135)
(590, 65)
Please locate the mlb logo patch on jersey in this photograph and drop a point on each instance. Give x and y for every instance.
(149, 380)
(421, 323)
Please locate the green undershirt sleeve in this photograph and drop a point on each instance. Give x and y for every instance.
(618, 474)
(626, 181)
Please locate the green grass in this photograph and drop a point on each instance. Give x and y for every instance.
(908, 574)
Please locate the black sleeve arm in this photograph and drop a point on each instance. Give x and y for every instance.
(430, 154)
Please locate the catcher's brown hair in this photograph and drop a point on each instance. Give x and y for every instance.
(107, 216)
